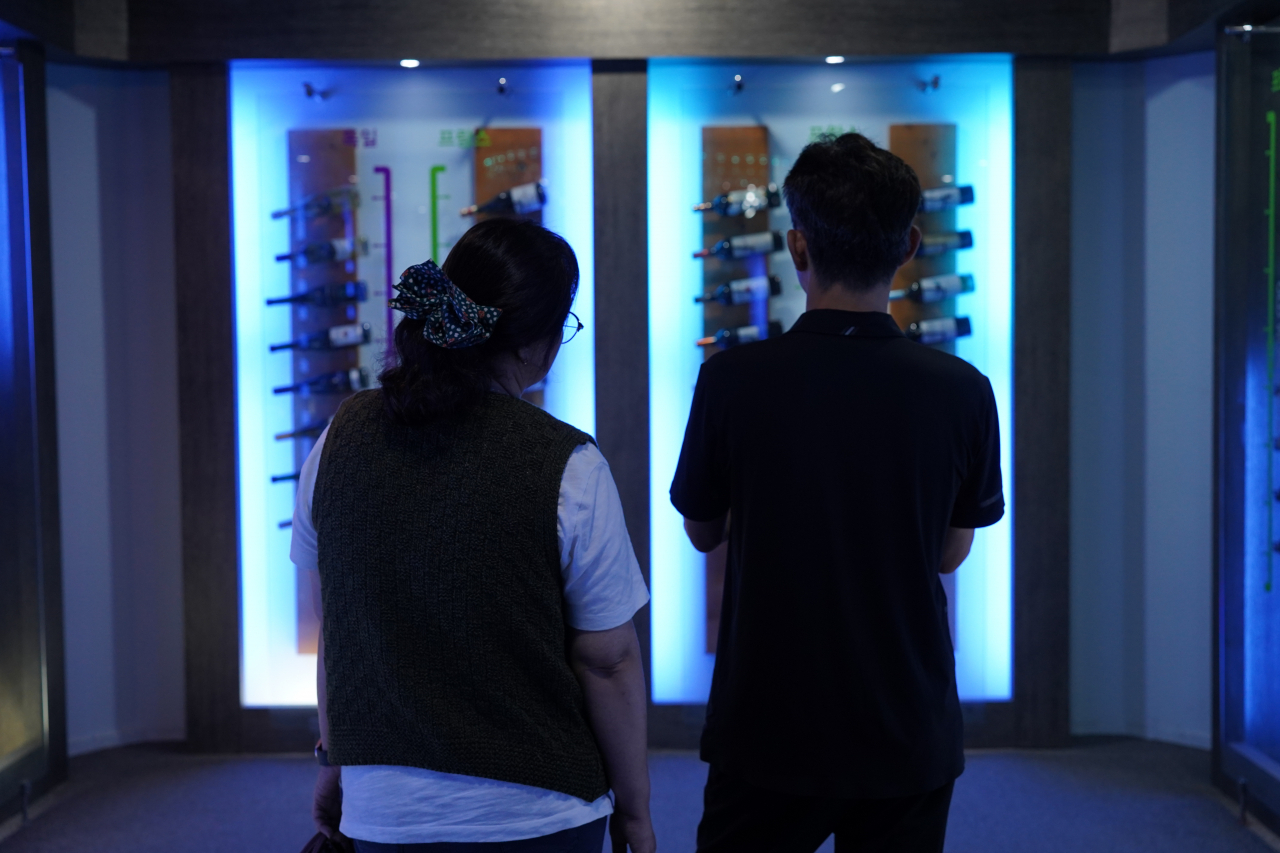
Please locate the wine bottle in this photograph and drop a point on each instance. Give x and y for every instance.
(743, 203)
(327, 295)
(321, 204)
(936, 244)
(338, 382)
(326, 252)
(307, 431)
(939, 330)
(935, 288)
(517, 201)
(284, 478)
(745, 245)
(334, 337)
(726, 338)
(945, 198)
(743, 290)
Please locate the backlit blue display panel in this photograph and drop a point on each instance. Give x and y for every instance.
(414, 131)
(796, 102)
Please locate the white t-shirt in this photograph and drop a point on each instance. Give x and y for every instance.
(603, 588)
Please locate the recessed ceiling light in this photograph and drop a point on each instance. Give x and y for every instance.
(837, 87)
(834, 60)
(409, 63)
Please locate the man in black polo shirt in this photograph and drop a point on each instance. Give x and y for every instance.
(848, 467)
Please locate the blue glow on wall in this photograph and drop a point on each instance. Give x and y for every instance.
(408, 115)
(795, 101)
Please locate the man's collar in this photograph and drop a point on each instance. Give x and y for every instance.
(862, 324)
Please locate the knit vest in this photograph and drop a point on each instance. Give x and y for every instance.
(444, 625)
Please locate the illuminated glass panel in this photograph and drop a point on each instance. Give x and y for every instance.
(415, 126)
(795, 102)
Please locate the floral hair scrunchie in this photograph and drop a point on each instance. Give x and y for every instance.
(453, 319)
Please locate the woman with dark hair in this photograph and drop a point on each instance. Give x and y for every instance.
(479, 674)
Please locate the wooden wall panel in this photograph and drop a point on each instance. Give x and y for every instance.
(1041, 401)
(201, 30)
(207, 402)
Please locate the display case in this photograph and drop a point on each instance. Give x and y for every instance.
(721, 139)
(342, 176)
(1247, 712)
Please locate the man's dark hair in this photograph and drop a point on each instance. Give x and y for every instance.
(854, 203)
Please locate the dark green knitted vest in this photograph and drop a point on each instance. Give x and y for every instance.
(444, 624)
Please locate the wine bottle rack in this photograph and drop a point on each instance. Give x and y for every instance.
(733, 158)
(507, 157)
(320, 161)
(929, 149)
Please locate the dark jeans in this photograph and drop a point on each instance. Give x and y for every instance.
(739, 817)
(588, 838)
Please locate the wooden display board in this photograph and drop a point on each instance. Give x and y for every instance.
(319, 161)
(507, 157)
(930, 149)
(732, 159)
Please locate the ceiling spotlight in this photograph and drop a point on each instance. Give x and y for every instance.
(837, 87)
(409, 63)
(835, 60)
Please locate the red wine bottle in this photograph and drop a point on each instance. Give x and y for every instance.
(935, 288)
(945, 198)
(308, 431)
(334, 337)
(517, 201)
(326, 252)
(338, 382)
(327, 295)
(745, 245)
(939, 330)
(743, 290)
(946, 241)
(726, 338)
(743, 203)
(322, 204)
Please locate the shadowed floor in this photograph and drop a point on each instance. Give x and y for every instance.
(1122, 796)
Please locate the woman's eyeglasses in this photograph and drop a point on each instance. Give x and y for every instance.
(571, 328)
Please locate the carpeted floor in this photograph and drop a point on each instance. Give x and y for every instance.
(1122, 796)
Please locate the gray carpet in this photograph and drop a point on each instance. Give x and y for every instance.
(1123, 796)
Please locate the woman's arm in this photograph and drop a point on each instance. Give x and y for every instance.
(607, 664)
(326, 804)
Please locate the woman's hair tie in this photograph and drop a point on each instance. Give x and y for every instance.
(453, 319)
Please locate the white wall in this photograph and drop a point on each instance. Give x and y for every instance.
(1142, 359)
(114, 314)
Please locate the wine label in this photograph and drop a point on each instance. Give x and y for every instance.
(935, 288)
(944, 198)
(746, 290)
(936, 244)
(526, 198)
(351, 334)
(342, 249)
(941, 329)
(759, 243)
(355, 377)
(748, 334)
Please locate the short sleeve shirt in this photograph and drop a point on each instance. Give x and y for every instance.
(842, 452)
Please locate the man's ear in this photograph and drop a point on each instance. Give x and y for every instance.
(799, 249)
(915, 244)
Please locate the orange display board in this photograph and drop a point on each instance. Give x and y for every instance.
(320, 162)
(733, 158)
(507, 157)
(929, 149)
